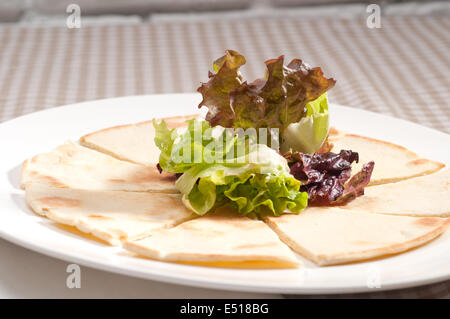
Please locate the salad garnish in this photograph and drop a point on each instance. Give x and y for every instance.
(324, 176)
(219, 161)
(292, 93)
(224, 168)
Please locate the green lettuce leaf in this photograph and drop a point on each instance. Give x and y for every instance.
(198, 144)
(250, 177)
(262, 184)
(308, 135)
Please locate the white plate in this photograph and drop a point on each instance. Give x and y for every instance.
(42, 131)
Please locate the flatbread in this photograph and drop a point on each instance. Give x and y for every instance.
(329, 236)
(392, 162)
(131, 142)
(111, 216)
(73, 166)
(421, 196)
(217, 240)
(334, 134)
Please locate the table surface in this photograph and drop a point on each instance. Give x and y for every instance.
(400, 69)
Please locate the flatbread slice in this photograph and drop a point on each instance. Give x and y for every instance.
(334, 133)
(329, 236)
(131, 142)
(217, 240)
(392, 162)
(73, 166)
(424, 196)
(111, 216)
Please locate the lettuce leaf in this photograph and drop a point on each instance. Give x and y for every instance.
(355, 186)
(247, 193)
(216, 91)
(198, 144)
(309, 134)
(250, 177)
(274, 102)
(325, 177)
(261, 184)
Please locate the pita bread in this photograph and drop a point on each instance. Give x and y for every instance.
(392, 162)
(132, 142)
(111, 216)
(217, 240)
(73, 166)
(330, 236)
(334, 133)
(421, 196)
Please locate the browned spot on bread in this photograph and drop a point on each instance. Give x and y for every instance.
(98, 216)
(53, 182)
(161, 203)
(151, 174)
(419, 161)
(428, 221)
(333, 131)
(49, 180)
(60, 202)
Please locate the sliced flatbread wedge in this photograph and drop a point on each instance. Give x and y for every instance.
(392, 162)
(329, 236)
(334, 133)
(111, 216)
(424, 196)
(217, 240)
(74, 166)
(131, 142)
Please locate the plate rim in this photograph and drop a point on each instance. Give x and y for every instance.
(208, 283)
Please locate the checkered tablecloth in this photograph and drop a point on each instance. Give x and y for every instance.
(401, 69)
